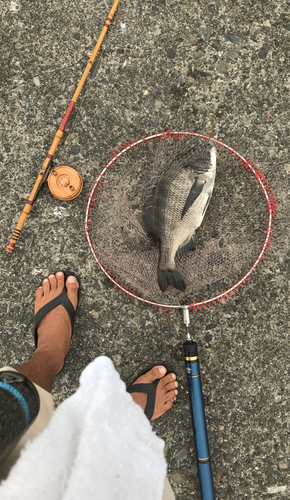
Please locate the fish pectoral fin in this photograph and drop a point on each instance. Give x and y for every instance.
(194, 193)
(187, 246)
(149, 221)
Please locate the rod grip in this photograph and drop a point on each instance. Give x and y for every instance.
(25, 212)
(11, 245)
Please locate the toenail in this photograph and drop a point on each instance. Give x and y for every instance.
(176, 384)
(176, 391)
(162, 370)
(173, 376)
(71, 279)
(45, 281)
(51, 276)
(60, 275)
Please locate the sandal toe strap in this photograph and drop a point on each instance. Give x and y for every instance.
(150, 390)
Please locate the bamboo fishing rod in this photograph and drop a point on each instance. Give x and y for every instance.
(46, 167)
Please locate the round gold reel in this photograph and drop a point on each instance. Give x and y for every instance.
(65, 183)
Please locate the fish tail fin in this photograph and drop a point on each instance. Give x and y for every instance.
(167, 278)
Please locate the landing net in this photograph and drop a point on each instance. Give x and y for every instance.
(234, 237)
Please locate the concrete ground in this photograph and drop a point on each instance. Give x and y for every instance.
(220, 68)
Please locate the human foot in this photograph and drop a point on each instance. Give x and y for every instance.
(165, 392)
(54, 329)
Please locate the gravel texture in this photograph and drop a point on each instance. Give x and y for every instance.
(221, 68)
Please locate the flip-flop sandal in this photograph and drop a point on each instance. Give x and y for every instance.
(61, 299)
(149, 389)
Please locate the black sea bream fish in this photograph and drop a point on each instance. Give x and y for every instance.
(176, 209)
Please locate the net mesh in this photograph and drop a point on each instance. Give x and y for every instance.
(228, 241)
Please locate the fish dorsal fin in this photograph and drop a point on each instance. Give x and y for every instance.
(149, 221)
(188, 246)
(194, 193)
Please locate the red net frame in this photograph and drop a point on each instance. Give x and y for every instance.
(261, 180)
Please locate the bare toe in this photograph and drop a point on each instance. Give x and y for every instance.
(72, 287)
(157, 372)
(46, 286)
(167, 379)
(168, 405)
(39, 293)
(170, 387)
(170, 395)
(60, 280)
(52, 282)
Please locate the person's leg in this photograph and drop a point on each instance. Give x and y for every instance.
(165, 392)
(53, 332)
(168, 491)
(53, 339)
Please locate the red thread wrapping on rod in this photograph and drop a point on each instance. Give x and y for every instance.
(67, 116)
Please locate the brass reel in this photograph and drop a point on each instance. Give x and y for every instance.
(65, 183)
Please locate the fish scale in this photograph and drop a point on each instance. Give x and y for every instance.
(178, 230)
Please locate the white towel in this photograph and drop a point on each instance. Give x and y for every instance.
(98, 446)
